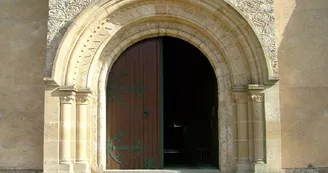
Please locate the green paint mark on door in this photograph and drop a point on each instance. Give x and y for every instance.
(116, 85)
(138, 148)
(150, 163)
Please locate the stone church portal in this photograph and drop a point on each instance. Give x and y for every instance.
(77, 90)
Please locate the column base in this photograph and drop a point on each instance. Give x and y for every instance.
(65, 167)
(244, 167)
(269, 171)
(259, 162)
(100, 169)
(261, 167)
(81, 168)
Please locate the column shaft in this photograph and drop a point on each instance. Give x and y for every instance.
(242, 131)
(67, 100)
(242, 126)
(82, 127)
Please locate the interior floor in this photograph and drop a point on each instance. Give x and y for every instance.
(190, 105)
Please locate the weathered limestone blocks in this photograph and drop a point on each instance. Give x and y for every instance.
(242, 125)
(250, 127)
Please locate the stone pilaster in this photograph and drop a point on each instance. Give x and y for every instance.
(241, 98)
(242, 130)
(257, 103)
(51, 137)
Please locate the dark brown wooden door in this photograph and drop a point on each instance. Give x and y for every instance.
(133, 108)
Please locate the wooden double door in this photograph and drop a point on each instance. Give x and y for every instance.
(134, 118)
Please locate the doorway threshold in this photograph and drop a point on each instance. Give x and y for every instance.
(165, 170)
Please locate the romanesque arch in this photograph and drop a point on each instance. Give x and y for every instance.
(76, 98)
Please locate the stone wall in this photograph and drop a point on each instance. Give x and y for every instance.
(302, 51)
(23, 30)
(302, 42)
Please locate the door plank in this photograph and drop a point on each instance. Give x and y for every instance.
(152, 103)
(133, 110)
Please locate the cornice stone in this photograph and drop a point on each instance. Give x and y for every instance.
(50, 82)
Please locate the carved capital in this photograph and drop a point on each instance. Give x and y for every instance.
(67, 94)
(67, 98)
(257, 98)
(83, 98)
(256, 93)
(240, 97)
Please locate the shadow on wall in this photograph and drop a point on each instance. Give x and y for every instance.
(302, 31)
(23, 37)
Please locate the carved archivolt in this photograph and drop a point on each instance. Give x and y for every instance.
(227, 39)
(258, 14)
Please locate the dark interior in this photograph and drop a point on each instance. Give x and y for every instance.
(190, 106)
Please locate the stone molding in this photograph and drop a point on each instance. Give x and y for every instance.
(50, 82)
(259, 14)
(232, 38)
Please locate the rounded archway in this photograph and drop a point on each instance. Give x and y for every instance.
(163, 93)
(101, 33)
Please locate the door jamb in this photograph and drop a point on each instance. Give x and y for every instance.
(161, 74)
